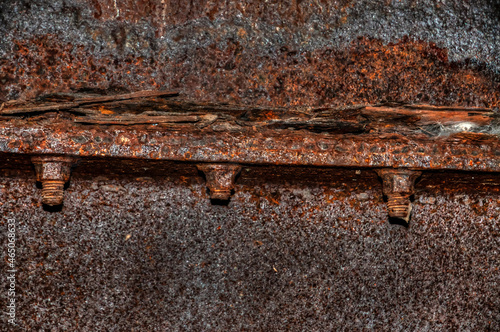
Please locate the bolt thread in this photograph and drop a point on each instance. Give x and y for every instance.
(52, 192)
(220, 194)
(399, 207)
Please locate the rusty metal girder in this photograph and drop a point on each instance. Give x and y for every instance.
(398, 141)
(466, 152)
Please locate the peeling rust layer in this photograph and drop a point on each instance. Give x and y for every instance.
(366, 72)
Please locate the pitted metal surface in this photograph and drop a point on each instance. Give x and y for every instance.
(290, 254)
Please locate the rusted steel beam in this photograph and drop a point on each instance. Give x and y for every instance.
(467, 152)
(156, 125)
(398, 141)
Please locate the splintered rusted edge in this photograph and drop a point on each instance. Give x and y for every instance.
(80, 101)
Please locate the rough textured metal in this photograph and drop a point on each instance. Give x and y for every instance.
(468, 152)
(121, 126)
(220, 179)
(53, 172)
(296, 249)
(398, 186)
(256, 52)
(138, 246)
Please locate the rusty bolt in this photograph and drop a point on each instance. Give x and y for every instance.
(220, 179)
(53, 172)
(398, 186)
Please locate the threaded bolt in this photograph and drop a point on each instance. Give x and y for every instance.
(399, 207)
(53, 192)
(220, 179)
(223, 195)
(53, 172)
(398, 186)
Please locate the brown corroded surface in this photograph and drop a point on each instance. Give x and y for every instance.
(256, 52)
(137, 244)
(295, 249)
